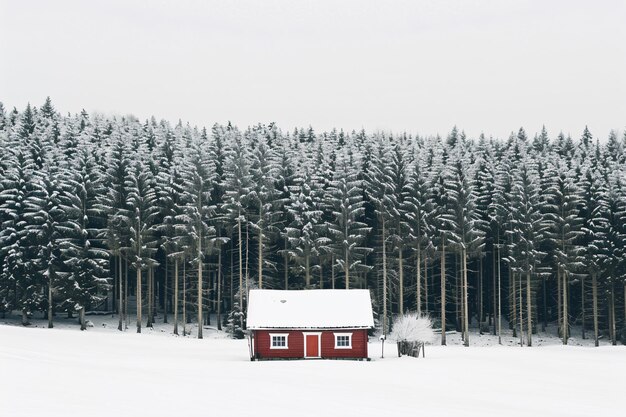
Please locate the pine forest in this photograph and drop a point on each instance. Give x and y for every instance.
(152, 221)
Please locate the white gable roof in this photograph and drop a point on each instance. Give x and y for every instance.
(306, 309)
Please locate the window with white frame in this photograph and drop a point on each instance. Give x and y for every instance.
(343, 340)
(279, 341)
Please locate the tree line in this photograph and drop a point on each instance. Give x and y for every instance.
(141, 218)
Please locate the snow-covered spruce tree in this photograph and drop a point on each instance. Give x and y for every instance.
(169, 189)
(467, 238)
(378, 187)
(3, 118)
(597, 247)
(262, 199)
(614, 148)
(139, 217)
(217, 156)
(321, 163)
(500, 212)
(172, 207)
(45, 218)
(173, 232)
(565, 230)
(528, 226)
(113, 206)
(238, 185)
(419, 211)
(444, 222)
(543, 162)
(346, 232)
(621, 214)
(616, 244)
(4, 165)
(287, 179)
(27, 124)
(20, 286)
(397, 173)
(198, 174)
(484, 186)
(83, 253)
(303, 232)
(541, 142)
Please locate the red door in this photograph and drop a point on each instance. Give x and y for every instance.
(312, 346)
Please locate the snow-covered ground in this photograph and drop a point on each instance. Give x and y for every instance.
(103, 372)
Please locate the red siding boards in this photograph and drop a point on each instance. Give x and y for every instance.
(296, 340)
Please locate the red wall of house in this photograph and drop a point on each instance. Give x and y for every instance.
(359, 345)
(262, 342)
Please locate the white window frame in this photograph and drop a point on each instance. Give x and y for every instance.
(273, 335)
(349, 340)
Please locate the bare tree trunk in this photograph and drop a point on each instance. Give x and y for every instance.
(176, 296)
(521, 314)
(545, 305)
(499, 299)
(247, 274)
(138, 296)
(286, 259)
(582, 304)
(81, 315)
(240, 270)
(232, 274)
(219, 289)
(120, 307)
(184, 298)
(50, 323)
(401, 281)
(307, 271)
(126, 317)
(346, 269)
(384, 279)
(559, 301)
(494, 287)
(481, 300)
(529, 310)
(165, 299)
(153, 293)
(612, 307)
(565, 310)
(149, 296)
(418, 279)
(332, 270)
(594, 294)
(465, 299)
(443, 292)
(200, 322)
(426, 285)
(211, 289)
(458, 295)
(513, 301)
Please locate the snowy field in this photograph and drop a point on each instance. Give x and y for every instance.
(102, 372)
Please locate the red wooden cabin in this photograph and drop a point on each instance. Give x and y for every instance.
(309, 324)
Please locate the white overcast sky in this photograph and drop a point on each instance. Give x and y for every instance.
(420, 66)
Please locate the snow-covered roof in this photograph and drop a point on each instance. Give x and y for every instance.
(306, 309)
